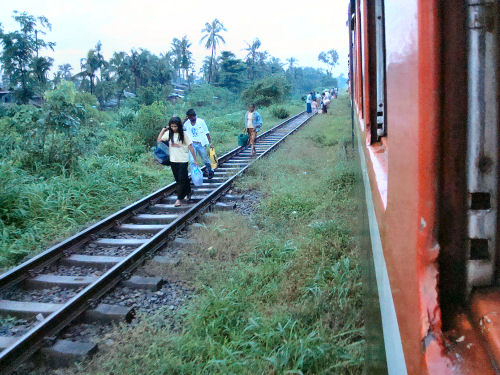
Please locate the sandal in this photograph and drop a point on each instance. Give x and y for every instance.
(177, 203)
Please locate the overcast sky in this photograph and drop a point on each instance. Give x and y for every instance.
(285, 28)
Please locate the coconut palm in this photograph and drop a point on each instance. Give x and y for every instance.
(182, 56)
(65, 71)
(91, 64)
(291, 66)
(252, 56)
(41, 67)
(213, 39)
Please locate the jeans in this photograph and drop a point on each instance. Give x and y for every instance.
(180, 172)
(199, 149)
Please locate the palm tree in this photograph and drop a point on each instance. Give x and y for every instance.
(119, 67)
(65, 71)
(213, 38)
(176, 56)
(252, 55)
(134, 66)
(41, 67)
(92, 64)
(291, 66)
(182, 56)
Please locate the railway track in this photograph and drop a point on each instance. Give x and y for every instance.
(73, 275)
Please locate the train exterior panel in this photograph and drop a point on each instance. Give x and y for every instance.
(408, 84)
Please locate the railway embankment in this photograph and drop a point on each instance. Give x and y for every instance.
(272, 286)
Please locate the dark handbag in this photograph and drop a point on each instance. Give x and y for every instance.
(161, 153)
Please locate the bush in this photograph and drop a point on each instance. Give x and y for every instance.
(150, 120)
(267, 91)
(206, 95)
(127, 116)
(280, 112)
(122, 144)
(150, 94)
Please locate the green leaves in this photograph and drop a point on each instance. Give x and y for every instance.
(20, 58)
(267, 91)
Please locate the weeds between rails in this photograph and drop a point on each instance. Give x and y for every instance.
(277, 292)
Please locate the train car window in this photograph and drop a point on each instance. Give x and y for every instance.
(380, 69)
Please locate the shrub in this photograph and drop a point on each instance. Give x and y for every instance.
(267, 91)
(127, 116)
(150, 120)
(280, 112)
(122, 144)
(206, 95)
(86, 99)
(25, 117)
(150, 94)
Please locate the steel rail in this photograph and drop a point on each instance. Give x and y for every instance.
(28, 344)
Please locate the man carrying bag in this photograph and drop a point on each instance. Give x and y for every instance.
(200, 136)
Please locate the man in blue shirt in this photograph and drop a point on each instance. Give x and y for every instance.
(200, 136)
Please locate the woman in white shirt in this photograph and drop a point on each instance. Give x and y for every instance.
(179, 145)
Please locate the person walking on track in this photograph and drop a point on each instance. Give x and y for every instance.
(179, 147)
(308, 102)
(198, 131)
(253, 122)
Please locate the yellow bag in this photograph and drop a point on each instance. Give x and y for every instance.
(213, 158)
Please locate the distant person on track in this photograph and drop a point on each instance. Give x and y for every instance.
(324, 102)
(318, 100)
(253, 122)
(200, 136)
(308, 102)
(179, 147)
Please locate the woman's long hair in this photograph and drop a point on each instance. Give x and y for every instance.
(180, 130)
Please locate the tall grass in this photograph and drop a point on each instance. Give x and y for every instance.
(279, 293)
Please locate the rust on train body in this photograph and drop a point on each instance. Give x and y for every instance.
(424, 84)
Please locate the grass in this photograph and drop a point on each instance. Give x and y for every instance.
(277, 293)
(37, 211)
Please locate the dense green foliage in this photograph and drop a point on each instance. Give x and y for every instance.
(280, 298)
(267, 91)
(20, 58)
(279, 112)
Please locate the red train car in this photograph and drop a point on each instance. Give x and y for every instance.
(424, 83)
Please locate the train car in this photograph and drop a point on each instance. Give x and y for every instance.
(424, 84)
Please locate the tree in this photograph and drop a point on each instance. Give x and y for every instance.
(119, 68)
(291, 65)
(65, 71)
(177, 56)
(267, 91)
(60, 125)
(186, 59)
(134, 64)
(20, 55)
(252, 56)
(91, 64)
(231, 71)
(330, 58)
(213, 38)
(40, 67)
